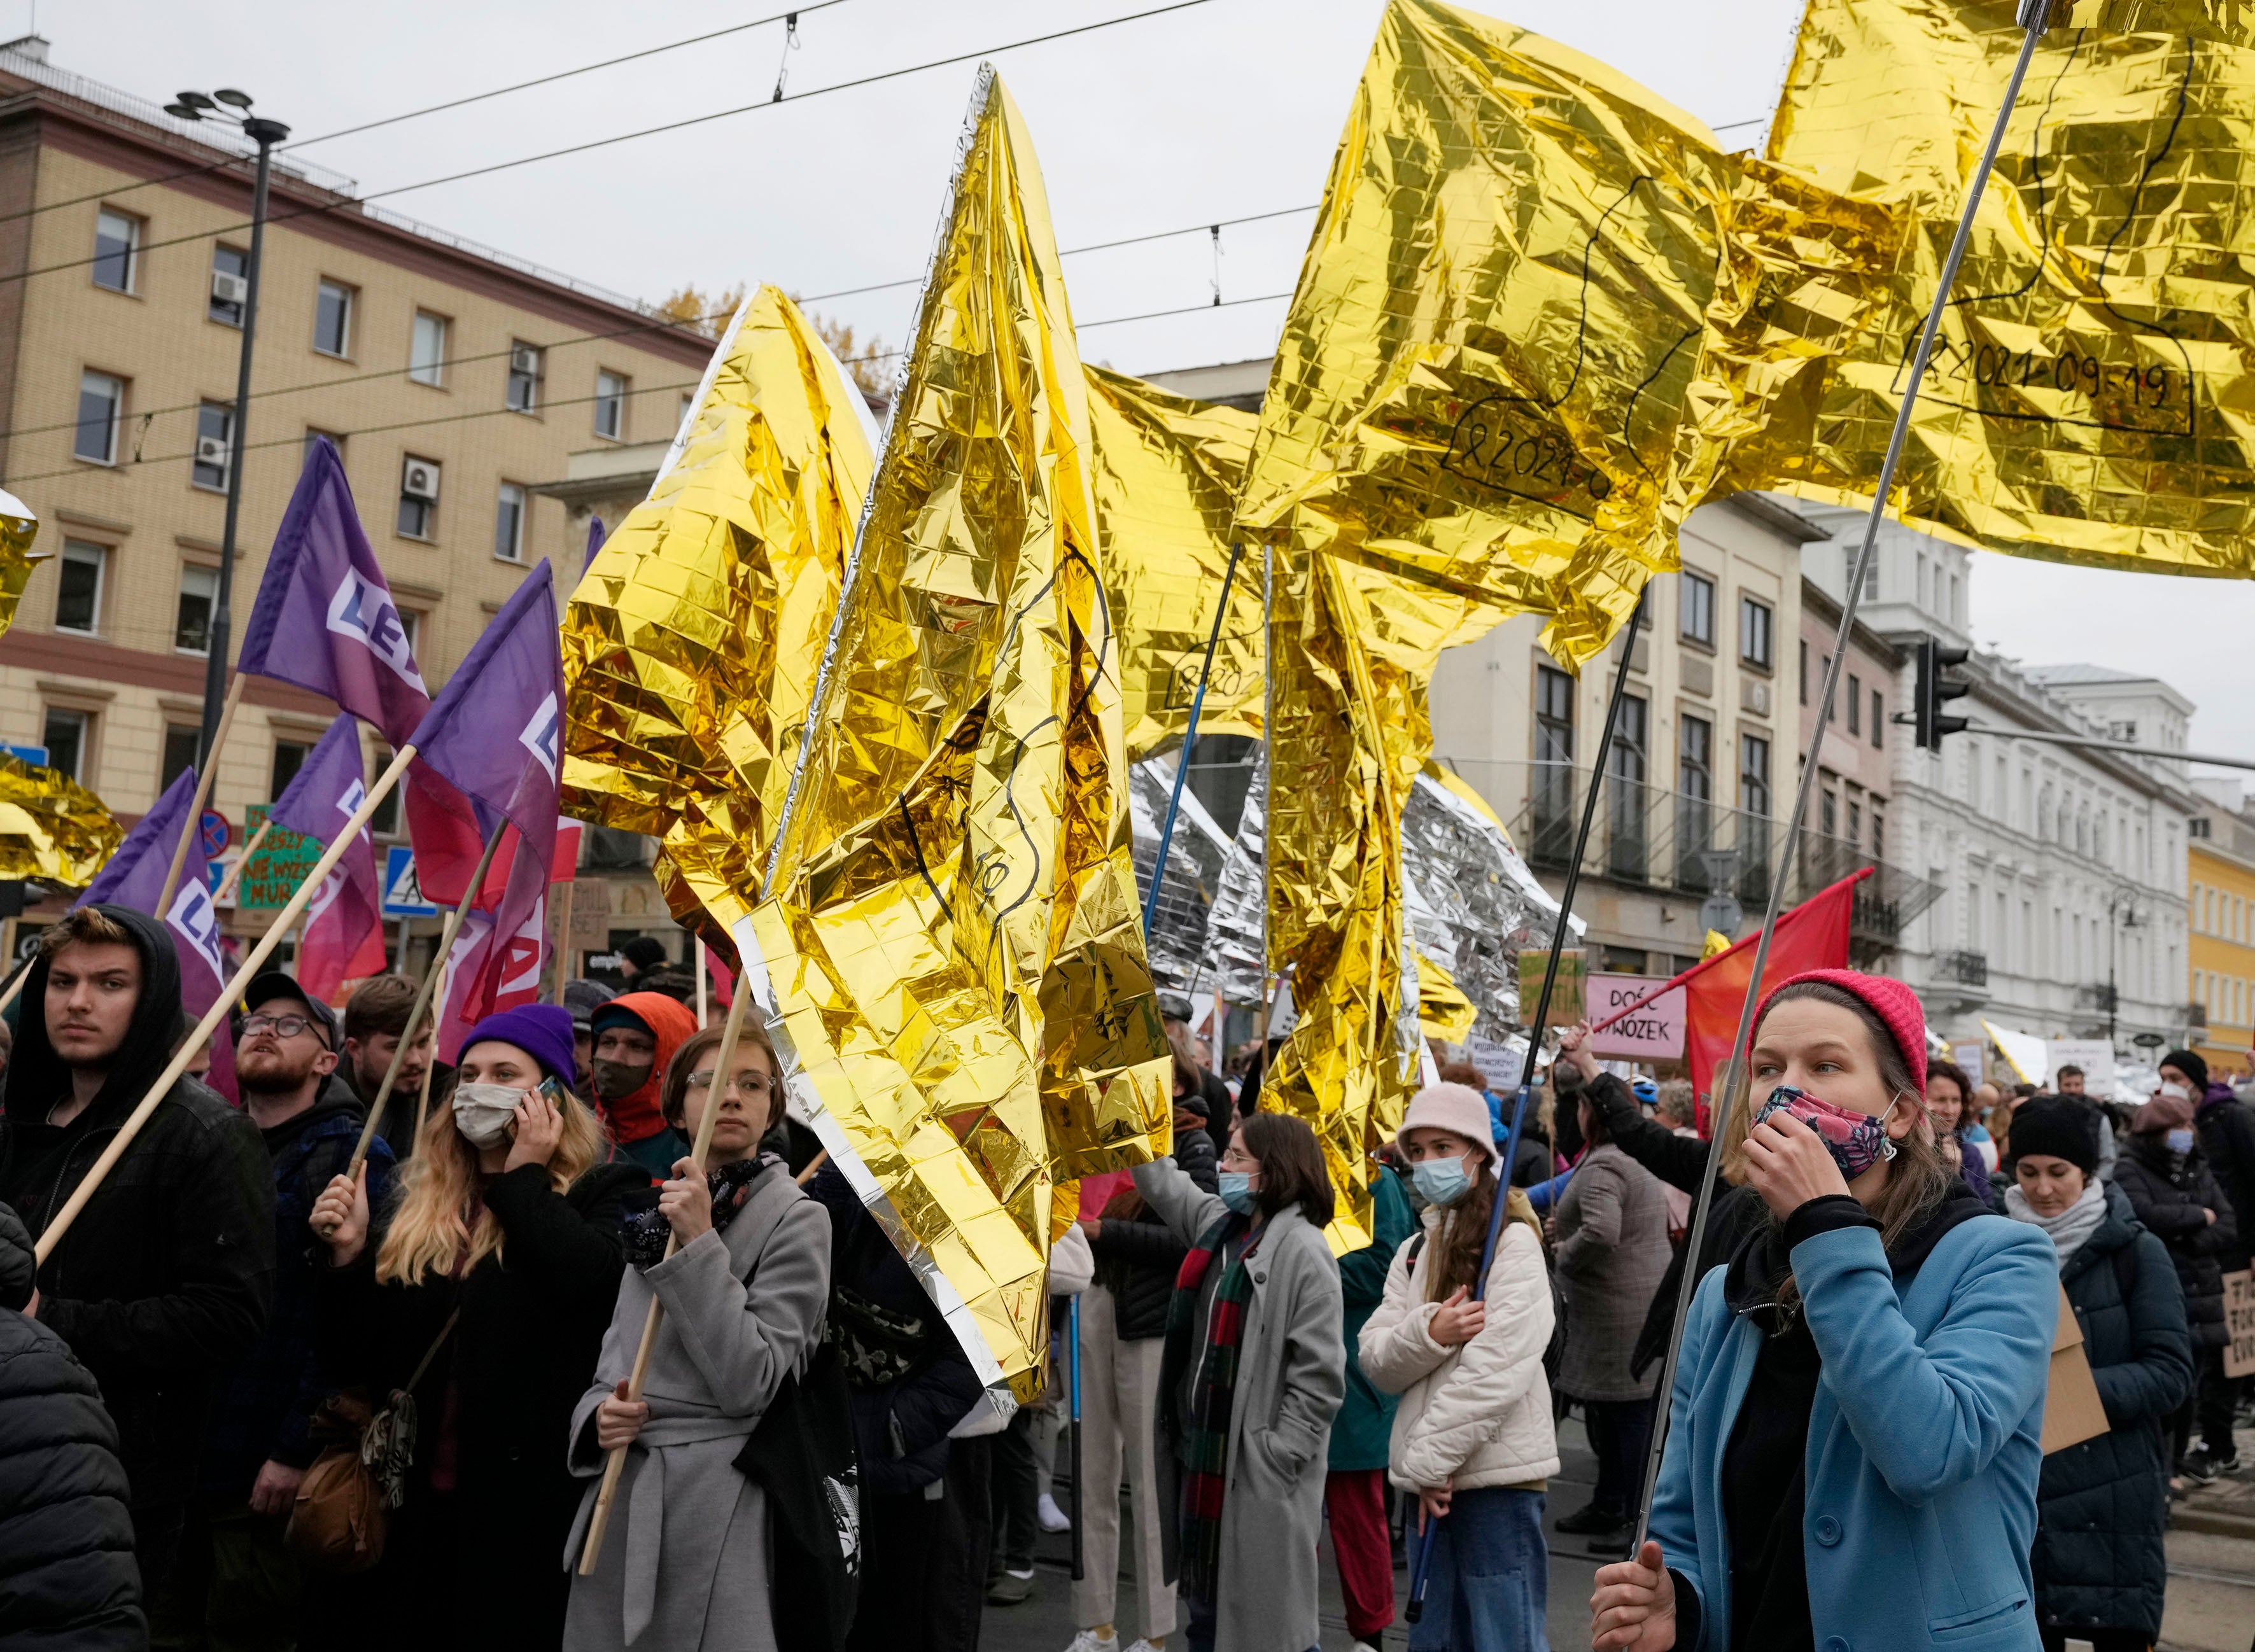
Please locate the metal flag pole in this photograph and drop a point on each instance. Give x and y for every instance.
(1080, 1502)
(1415, 1607)
(1189, 744)
(2032, 18)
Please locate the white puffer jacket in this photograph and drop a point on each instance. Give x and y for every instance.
(1477, 1414)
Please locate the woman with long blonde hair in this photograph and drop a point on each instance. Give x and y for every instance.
(492, 1273)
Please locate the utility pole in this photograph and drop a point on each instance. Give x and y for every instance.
(2121, 914)
(197, 106)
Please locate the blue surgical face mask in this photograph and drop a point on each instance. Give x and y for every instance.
(1237, 1191)
(1441, 1181)
(2180, 1140)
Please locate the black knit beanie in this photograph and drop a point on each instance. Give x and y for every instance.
(2055, 1126)
(2192, 1066)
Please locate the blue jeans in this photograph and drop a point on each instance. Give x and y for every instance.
(1200, 1628)
(1488, 1586)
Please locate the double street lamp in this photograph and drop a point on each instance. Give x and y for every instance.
(232, 107)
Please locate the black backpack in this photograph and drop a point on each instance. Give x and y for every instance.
(802, 1456)
(1554, 1357)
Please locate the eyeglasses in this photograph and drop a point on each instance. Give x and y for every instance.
(752, 1084)
(280, 1026)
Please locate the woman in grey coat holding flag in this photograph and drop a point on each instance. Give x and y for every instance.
(685, 1563)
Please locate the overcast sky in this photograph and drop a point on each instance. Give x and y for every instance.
(1227, 109)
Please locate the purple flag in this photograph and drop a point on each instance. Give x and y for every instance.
(347, 916)
(325, 619)
(595, 537)
(494, 732)
(134, 876)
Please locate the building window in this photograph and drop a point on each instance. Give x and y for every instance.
(2122, 731)
(183, 745)
(1855, 823)
(524, 377)
(1753, 774)
(1554, 760)
(1855, 704)
(336, 440)
(1698, 605)
(419, 497)
(1828, 813)
(215, 445)
(78, 592)
(411, 627)
(384, 823)
(192, 619)
(68, 736)
(509, 524)
(1878, 717)
(610, 406)
(332, 308)
(117, 250)
(289, 758)
(1878, 833)
(1754, 638)
(1695, 759)
(100, 408)
(427, 351)
(1804, 663)
(1695, 795)
(230, 285)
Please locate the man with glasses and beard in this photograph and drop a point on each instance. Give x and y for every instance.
(236, 1583)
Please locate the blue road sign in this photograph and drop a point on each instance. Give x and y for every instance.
(402, 896)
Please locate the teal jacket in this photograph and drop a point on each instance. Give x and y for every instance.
(1364, 1426)
(1924, 1442)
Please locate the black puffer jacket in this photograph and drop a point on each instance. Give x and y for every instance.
(2227, 1136)
(162, 1284)
(2101, 1506)
(2172, 1197)
(68, 1582)
(1137, 1258)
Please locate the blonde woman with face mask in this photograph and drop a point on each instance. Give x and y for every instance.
(685, 1563)
(1855, 1425)
(495, 1268)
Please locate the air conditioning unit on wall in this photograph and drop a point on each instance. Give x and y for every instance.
(420, 480)
(212, 450)
(524, 359)
(229, 289)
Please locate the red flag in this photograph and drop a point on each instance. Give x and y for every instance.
(1813, 935)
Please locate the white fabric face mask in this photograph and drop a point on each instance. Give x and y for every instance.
(2172, 1088)
(484, 1112)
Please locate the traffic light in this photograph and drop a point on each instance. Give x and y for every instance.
(1936, 687)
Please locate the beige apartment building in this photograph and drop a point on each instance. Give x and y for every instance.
(454, 380)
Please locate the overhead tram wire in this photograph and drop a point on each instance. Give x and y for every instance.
(1207, 307)
(345, 205)
(222, 164)
(658, 325)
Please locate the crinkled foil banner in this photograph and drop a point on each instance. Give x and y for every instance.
(51, 827)
(19, 526)
(1236, 966)
(1176, 937)
(1473, 901)
(2227, 20)
(2087, 397)
(952, 942)
(1168, 471)
(692, 643)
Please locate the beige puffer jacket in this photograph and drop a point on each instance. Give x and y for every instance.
(1477, 1414)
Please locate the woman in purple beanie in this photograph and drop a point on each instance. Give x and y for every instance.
(493, 1271)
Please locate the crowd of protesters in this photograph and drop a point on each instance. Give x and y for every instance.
(290, 1379)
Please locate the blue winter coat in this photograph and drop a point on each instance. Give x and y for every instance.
(1923, 1441)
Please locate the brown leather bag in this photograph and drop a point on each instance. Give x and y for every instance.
(342, 1512)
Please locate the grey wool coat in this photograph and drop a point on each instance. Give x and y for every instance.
(1291, 1377)
(1610, 1251)
(685, 1561)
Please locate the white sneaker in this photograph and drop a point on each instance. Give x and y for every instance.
(1145, 1645)
(1364, 1646)
(1054, 1518)
(1087, 1641)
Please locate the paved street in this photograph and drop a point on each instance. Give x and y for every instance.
(2211, 1599)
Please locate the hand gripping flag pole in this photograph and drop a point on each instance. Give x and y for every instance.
(1418, 1573)
(2033, 16)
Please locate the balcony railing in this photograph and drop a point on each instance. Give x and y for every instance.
(1682, 844)
(1967, 969)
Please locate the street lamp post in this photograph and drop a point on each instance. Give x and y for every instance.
(196, 106)
(2121, 914)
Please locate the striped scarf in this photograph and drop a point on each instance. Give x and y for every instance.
(1205, 1440)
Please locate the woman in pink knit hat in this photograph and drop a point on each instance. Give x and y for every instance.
(1854, 1430)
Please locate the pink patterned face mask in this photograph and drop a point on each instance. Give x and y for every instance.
(1857, 1140)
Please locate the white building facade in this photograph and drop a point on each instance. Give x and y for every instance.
(2062, 869)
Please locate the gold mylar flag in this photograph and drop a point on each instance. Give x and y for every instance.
(1443, 1012)
(2227, 20)
(1168, 471)
(2087, 397)
(692, 643)
(52, 827)
(950, 952)
(18, 527)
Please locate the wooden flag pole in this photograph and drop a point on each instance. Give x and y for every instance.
(195, 820)
(226, 1000)
(563, 943)
(453, 925)
(233, 880)
(423, 1099)
(697, 944)
(723, 1072)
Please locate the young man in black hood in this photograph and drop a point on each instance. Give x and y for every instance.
(161, 1284)
(233, 1568)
